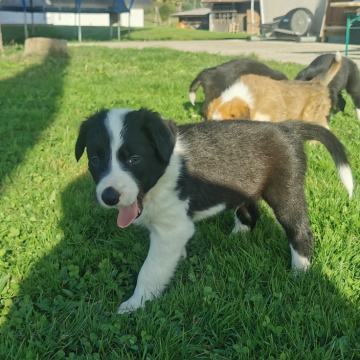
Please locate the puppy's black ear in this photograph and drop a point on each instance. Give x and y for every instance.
(81, 141)
(161, 132)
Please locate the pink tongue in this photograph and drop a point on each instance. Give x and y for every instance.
(127, 215)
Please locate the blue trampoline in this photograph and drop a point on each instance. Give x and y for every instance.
(112, 7)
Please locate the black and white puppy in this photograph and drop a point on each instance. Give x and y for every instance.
(166, 177)
(347, 78)
(218, 78)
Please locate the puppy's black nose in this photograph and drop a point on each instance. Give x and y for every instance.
(110, 196)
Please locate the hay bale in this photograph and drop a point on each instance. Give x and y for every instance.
(45, 46)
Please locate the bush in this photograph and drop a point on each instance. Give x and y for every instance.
(166, 10)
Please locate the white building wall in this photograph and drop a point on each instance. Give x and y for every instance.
(71, 19)
(10, 17)
(136, 18)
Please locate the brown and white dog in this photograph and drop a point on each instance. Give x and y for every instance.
(261, 98)
(217, 79)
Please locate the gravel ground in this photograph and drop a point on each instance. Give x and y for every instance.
(286, 51)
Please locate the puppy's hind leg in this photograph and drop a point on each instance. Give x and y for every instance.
(246, 217)
(353, 88)
(341, 103)
(290, 209)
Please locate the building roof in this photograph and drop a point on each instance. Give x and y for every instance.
(92, 6)
(193, 12)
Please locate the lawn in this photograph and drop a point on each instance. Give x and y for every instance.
(65, 266)
(15, 33)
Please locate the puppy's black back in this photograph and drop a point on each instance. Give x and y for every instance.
(240, 154)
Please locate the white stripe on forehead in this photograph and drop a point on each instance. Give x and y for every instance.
(114, 124)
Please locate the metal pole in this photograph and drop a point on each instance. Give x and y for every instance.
(262, 13)
(129, 27)
(252, 17)
(111, 28)
(211, 22)
(347, 35)
(79, 28)
(1, 41)
(32, 17)
(26, 33)
(118, 28)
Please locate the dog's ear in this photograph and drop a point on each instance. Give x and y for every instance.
(81, 141)
(85, 125)
(162, 133)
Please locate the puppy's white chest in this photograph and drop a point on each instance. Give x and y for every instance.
(163, 210)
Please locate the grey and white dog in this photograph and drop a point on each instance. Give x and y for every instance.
(166, 177)
(347, 78)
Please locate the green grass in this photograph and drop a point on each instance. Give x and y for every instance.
(172, 33)
(65, 266)
(15, 33)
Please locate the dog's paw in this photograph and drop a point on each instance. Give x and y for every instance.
(183, 253)
(130, 305)
(240, 228)
(299, 263)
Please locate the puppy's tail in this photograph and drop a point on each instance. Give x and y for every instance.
(193, 87)
(332, 144)
(326, 78)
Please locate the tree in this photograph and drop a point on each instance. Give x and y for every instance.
(157, 18)
(164, 8)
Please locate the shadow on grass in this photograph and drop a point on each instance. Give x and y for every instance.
(74, 290)
(65, 308)
(190, 108)
(28, 103)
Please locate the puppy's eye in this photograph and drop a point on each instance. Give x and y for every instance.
(133, 160)
(94, 161)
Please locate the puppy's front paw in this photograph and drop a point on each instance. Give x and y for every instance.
(130, 305)
(240, 228)
(299, 263)
(183, 253)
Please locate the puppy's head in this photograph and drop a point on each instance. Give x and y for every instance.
(235, 108)
(128, 151)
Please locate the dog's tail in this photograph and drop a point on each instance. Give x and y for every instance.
(193, 87)
(335, 66)
(332, 144)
